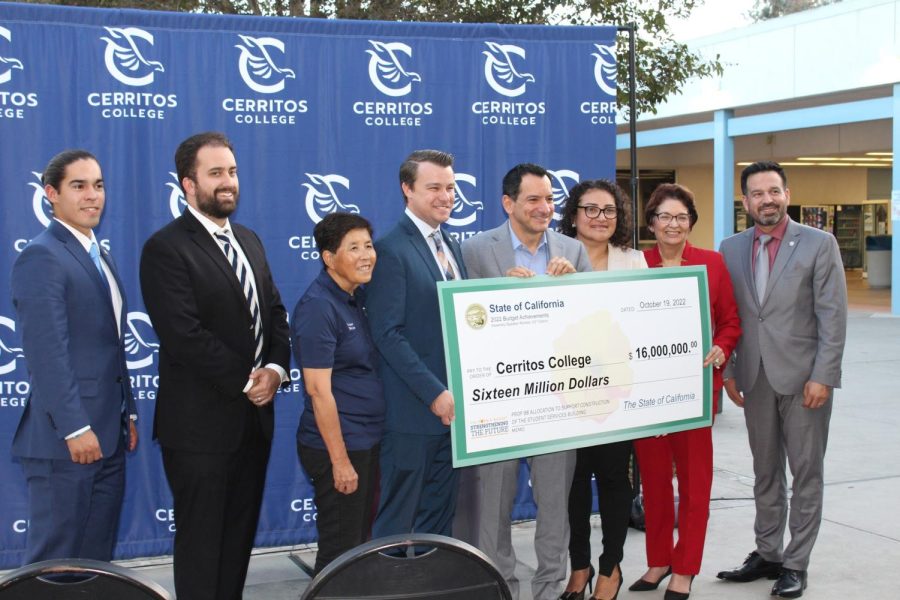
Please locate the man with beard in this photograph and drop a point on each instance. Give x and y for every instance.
(792, 298)
(224, 351)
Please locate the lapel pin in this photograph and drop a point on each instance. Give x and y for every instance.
(790, 243)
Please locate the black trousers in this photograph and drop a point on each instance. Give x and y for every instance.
(217, 500)
(343, 521)
(608, 463)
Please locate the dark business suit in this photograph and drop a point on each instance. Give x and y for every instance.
(76, 361)
(795, 335)
(418, 484)
(215, 442)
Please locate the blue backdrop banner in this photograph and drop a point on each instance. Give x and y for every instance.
(321, 113)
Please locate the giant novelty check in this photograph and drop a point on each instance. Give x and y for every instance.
(553, 363)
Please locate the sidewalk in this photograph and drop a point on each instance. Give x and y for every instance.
(858, 551)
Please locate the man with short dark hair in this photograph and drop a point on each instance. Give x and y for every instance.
(418, 483)
(70, 305)
(792, 298)
(224, 351)
(524, 246)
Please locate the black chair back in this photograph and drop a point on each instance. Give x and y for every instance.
(79, 578)
(440, 568)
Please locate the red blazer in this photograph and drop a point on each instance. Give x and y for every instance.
(723, 308)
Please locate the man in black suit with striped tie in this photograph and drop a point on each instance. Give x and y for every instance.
(224, 351)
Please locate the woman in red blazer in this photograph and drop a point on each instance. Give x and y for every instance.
(670, 215)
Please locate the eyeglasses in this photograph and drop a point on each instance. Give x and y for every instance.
(666, 218)
(592, 211)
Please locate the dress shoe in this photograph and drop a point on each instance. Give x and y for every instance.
(642, 585)
(754, 567)
(673, 595)
(580, 595)
(790, 584)
(616, 595)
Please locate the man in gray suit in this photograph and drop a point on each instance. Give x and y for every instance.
(792, 297)
(525, 247)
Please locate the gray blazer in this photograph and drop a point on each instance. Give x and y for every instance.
(490, 253)
(798, 333)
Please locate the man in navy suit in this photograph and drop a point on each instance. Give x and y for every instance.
(418, 483)
(70, 305)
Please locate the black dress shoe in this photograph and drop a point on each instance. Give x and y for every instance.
(754, 567)
(790, 584)
(673, 595)
(642, 585)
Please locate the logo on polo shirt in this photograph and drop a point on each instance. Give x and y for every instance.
(500, 70)
(260, 67)
(562, 180)
(322, 196)
(125, 56)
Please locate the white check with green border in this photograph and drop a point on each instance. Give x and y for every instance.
(546, 364)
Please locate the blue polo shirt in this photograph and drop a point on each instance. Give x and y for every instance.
(329, 330)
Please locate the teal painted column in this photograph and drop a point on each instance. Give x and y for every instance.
(895, 225)
(723, 177)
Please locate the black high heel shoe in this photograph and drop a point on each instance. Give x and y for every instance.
(621, 579)
(673, 595)
(642, 585)
(587, 585)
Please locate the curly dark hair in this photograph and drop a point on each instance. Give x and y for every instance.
(622, 236)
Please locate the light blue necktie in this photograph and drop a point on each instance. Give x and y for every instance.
(95, 256)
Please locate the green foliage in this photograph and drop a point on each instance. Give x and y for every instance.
(769, 9)
(663, 64)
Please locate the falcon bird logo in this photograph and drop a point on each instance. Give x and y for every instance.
(138, 350)
(124, 59)
(43, 210)
(8, 62)
(322, 198)
(500, 72)
(258, 68)
(605, 68)
(8, 353)
(387, 74)
(176, 197)
(560, 189)
(464, 211)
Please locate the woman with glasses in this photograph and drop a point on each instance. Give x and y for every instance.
(670, 215)
(597, 214)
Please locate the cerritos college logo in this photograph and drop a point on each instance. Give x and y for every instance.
(176, 196)
(9, 353)
(385, 70)
(12, 104)
(465, 211)
(500, 70)
(322, 197)
(603, 112)
(258, 68)
(504, 72)
(558, 179)
(390, 74)
(124, 59)
(8, 63)
(140, 342)
(128, 57)
(43, 210)
(262, 66)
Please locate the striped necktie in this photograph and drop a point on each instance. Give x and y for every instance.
(442, 258)
(242, 273)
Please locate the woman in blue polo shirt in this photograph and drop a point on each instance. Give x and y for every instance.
(343, 417)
